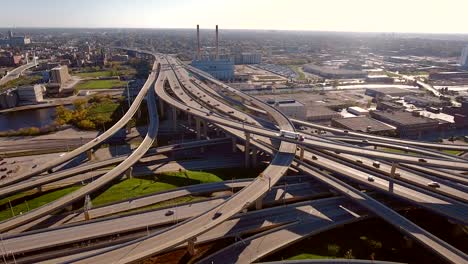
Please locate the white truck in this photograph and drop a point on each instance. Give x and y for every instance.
(291, 135)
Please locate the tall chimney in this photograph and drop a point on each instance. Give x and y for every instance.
(217, 44)
(198, 43)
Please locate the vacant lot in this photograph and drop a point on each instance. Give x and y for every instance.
(100, 84)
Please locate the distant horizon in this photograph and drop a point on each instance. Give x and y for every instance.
(235, 29)
(360, 16)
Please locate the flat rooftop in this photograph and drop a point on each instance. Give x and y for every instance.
(320, 111)
(403, 118)
(361, 123)
(391, 91)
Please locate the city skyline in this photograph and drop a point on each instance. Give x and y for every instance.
(417, 16)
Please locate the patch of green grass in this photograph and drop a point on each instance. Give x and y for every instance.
(33, 203)
(172, 202)
(100, 84)
(399, 151)
(309, 256)
(298, 70)
(129, 188)
(21, 81)
(452, 152)
(94, 74)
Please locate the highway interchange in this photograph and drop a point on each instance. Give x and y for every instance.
(403, 176)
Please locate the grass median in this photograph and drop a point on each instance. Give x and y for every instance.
(126, 189)
(100, 84)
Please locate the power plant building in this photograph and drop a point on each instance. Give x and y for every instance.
(219, 68)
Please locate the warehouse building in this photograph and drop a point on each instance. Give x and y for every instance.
(290, 107)
(391, 92)
(321, 114)
(333, 73)
(364, 124)
(410, 125)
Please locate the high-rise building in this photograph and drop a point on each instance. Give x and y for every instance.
(31, 94)
(59, 75)
(464, 58)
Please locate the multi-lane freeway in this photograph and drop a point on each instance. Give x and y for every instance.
(198, 100)
(165, 239)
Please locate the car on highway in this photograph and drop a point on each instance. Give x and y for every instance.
(96, 139)
(169, 212)
(376, 164)
(433, 184)
(422, 160)
(371, 178)
(216, 215)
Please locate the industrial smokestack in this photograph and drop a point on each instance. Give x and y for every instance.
(217, 44)
(198, 43)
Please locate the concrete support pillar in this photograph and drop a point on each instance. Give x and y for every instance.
(174, 119)
(191, 246)
(89, 154)
(205, 129)
(129, 173)
(247, 150)
(87, 206)
(259, 202)
(234, 144)
(457, 230)
(39, 189)
(301, 151)
(218, 132)
(189, 120)
(393, 170)
(161, 108)
(392, 176)
(408, 242)
(254, 157)
(197, 124)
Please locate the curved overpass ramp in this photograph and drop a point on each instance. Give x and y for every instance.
(142, 248)
(99, 183)
(100, 139)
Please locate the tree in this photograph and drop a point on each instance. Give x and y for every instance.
(86, 124)
(64, 115)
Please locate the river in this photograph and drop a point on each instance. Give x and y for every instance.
(27, 118)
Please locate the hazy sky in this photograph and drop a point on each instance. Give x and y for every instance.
(438, 16)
